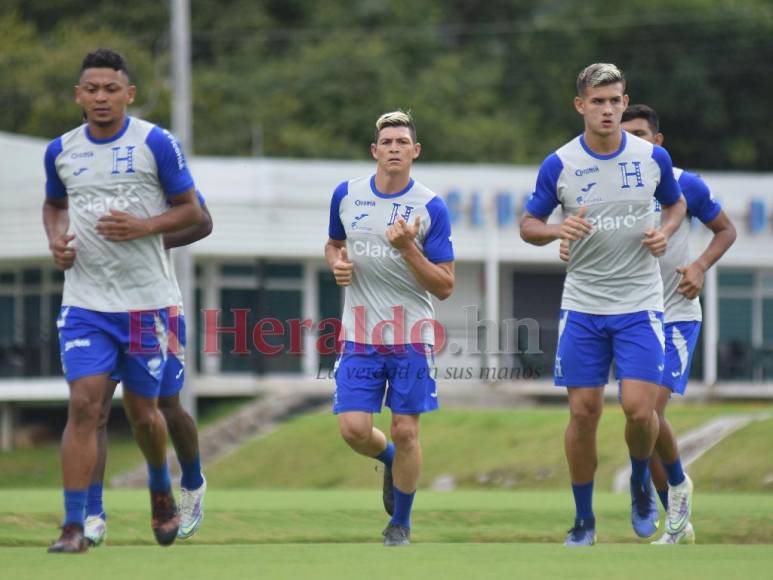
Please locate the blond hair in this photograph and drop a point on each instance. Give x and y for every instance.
(398, 118)
(598, 75)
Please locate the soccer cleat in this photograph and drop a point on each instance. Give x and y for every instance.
(95, 529)
(397, 535)
(71, 541)
(579, 535)
(191, 510)
(165, 519)
(644, 509)
(388, 491)
(679, 506)
(686, 536)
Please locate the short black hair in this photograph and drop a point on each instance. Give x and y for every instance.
(105, 58)
(643, 112)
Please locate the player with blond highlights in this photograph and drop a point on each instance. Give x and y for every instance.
(390, 247)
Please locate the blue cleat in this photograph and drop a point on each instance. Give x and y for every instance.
(644, 509)
(582, 534)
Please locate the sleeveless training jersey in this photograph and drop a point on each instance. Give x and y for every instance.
(610, 271)
(382, 283)
(700, 204)
(135, 171)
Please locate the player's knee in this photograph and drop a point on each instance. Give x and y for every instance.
(640, 416)
(172, 410)
(84, 411)
(355, 433)
(143, 418)
(405, 434)
(586, 416)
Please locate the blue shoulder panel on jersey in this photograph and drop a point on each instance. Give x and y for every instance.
(545, 197)
(699, 201)
(335, 229)
(54, 186)
(200, 197)
(437, 243)
(172, 170)
(667, 192)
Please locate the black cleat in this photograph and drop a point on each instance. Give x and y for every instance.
(388, 491)
(165, 519)
(72, 541)
(397, 535)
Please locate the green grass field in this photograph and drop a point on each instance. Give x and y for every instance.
(327, 534)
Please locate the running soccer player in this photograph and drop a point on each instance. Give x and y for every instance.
(612, 305)
(109, 183)
(682, 283)
(181, 426)
(390, 246)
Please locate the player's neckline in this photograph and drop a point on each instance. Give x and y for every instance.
(377, 193)
(110, 139)
(612, 155)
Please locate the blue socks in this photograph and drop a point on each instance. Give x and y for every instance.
(403, 504)
(387, 455)
(191, 474)
(94, 502)
(583, 501)
(640, 471)
(675, 472)
(158, 478)
(663, 495)
(75, 506)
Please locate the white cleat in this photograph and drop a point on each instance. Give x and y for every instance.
(679, 506)
(95, 529)
(191, 510)
(686, 536)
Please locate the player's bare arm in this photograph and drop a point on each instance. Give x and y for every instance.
(56, 220)
(537, 231)
(437, 279)
(656, 241)
(692, 275)
(192, 233)
(337, 259)
(120, 226)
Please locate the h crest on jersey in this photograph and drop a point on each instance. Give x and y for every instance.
(128, 158)
(396, 210)
(635, 173)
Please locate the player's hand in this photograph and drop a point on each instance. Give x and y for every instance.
(64, 254)
(692, 281)
(343, 269)
(120, 226)
(401, 235)
(656, 242)
(576, 227)
(563, 250)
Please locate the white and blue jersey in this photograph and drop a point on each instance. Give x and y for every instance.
(384, 289)
(382, 284)
(134, 171)
(610, 271)
(117, 294)
(683, 316)
(612, 304)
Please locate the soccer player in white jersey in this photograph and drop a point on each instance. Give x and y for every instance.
(682, 283)
(612, 304)
(114, 186)
(390, 246)
(181, 426)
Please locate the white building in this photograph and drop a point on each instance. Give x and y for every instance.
(265, 254)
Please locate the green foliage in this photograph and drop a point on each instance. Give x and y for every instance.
(487, 81)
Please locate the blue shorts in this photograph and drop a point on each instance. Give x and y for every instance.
(362, 372)
(681, 338)
(174, 371)
(131, 344)
(587, 343)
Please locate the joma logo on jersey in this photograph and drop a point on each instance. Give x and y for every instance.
(396, 209)
(626, 173)
(118, 159)
(374, 250)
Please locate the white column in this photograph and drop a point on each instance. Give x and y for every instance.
(210, 298)
(491, 265)
(710, 327)
(310, 311)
